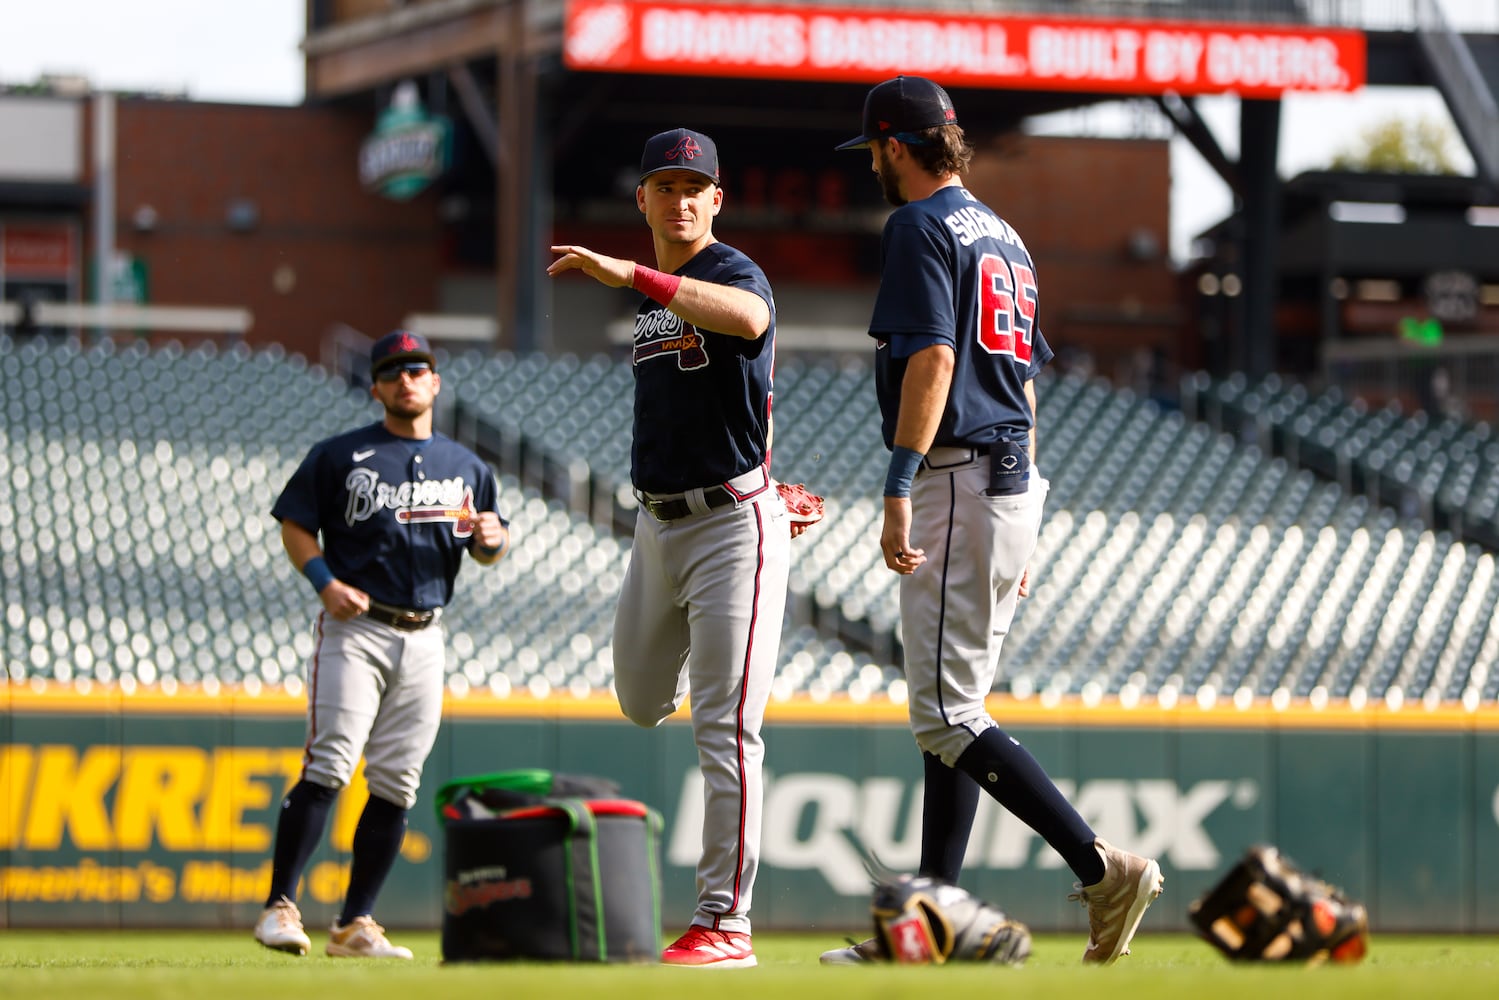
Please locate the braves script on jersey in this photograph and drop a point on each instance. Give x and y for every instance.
(396, 515)
(956, 273)
(702, 399)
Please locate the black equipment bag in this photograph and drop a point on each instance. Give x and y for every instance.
(555, 877)
(1267, 909)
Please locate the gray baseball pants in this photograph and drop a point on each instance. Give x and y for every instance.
(377, 691)
(700, 609)
(956, 609)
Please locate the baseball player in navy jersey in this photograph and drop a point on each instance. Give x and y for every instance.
(702, 601)
(396, 506)
(958, 346)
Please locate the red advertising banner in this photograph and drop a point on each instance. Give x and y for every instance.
(36, 250)
(1017, 52)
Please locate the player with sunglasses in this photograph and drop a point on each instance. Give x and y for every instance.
(377, 520)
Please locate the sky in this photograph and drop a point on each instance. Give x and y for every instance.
(215, 50)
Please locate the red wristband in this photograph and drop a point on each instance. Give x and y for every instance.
(655, 284)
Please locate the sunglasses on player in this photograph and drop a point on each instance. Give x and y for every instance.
(393, 373)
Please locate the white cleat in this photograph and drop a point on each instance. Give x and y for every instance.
(280, 928)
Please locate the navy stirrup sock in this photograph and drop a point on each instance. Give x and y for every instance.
(1007, 771)
(304, 815)
(947, 810)
(377, 841)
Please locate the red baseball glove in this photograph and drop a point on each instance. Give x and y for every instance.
(804, 507)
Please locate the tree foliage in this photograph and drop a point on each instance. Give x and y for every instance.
(1401, 146)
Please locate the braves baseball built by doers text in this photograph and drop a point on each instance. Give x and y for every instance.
(396, 506)
(701, 604)
(958, 345)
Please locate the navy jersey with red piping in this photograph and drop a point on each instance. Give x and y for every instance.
(395, 515)
(955, 273)
(702, 399)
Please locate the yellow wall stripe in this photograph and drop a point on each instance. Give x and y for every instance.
(47, 699)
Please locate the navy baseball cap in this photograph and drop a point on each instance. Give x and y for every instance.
(680, 149)
(901, 107)
(398, 346)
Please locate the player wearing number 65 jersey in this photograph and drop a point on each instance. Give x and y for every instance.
(959, 344)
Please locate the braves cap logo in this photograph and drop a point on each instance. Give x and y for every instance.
(685, 149)
(400, 344)
(680, 149)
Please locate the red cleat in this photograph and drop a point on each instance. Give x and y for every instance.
(703, 948)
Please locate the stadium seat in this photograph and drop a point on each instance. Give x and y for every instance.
(1174, 561)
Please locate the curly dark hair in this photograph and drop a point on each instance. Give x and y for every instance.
(943, 149)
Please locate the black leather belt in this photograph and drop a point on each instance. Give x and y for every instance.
(670, 510)
(402, 618)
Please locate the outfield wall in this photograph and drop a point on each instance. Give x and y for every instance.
(149, 810)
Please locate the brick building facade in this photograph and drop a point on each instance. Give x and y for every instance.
(262, 208)
(311, 249)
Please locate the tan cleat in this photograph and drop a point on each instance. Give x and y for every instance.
(280, 928)
(363, 938)
(1117, 901)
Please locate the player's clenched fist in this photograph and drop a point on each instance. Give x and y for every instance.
(343, 601)
(491, 537)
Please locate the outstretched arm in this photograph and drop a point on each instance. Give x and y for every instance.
(706, 305)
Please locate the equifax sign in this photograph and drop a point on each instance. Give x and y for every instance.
(1017, 52)
(818, 821)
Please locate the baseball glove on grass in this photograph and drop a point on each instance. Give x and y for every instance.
(921, 921)
(804, 507)
(1267, 909)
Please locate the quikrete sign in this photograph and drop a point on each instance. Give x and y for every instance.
(169, 819)
(155, 824)
(1017, 52)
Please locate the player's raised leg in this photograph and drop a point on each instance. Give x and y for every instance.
(650, 633)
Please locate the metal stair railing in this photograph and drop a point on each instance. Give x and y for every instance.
(1462, 85)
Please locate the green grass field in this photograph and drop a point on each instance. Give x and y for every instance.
(59, 965)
